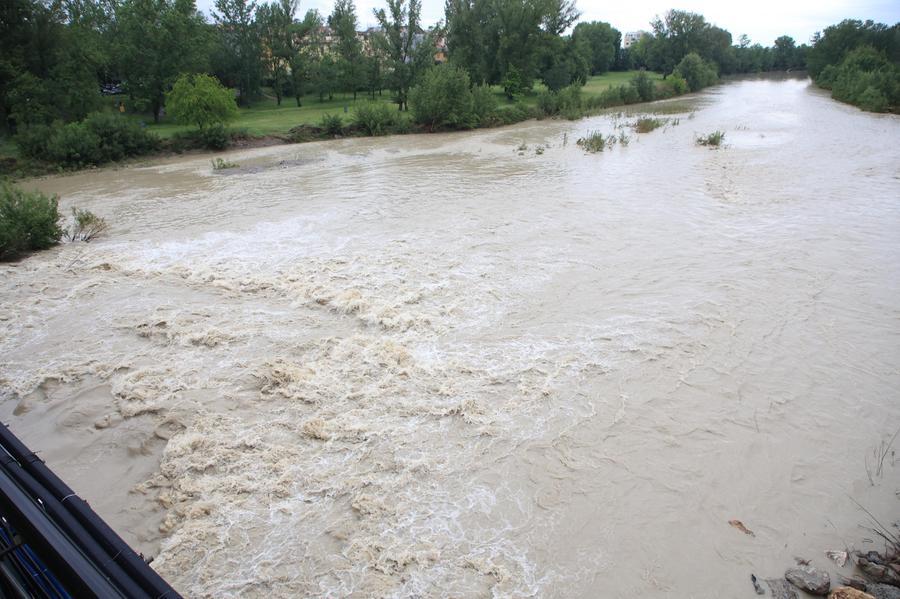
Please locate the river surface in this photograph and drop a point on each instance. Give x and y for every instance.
(459, 365)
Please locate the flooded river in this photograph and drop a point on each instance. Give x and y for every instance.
(459, 365)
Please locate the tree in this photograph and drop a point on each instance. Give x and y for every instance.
(443, 99)
(157, 40)
(602, 42)
(343, 24)
(303, 52)
(679, 33)
(240, 46)
(200, 100)
(407, 48)
(698, 73)
(275, 23)
(784, 51)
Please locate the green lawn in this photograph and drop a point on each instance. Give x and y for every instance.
(266, 118)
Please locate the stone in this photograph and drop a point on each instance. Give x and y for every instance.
(883, 591)
(809, 579)
(848, 593)
(781, 588)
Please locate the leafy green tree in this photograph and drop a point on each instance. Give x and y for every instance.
(158, 40)
(200, 100)
(832, 45)
(349, 48)
(443, 99)
(305, 49)
(240, 46)
(602, 42)
(784, 52)
(680, 33)
(697, 72)
(275, 23)
(407, 48)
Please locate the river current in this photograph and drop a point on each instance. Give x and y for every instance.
(483, 363)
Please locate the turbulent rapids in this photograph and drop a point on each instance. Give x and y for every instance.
(450, 365)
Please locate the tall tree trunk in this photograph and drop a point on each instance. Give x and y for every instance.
(155, 106)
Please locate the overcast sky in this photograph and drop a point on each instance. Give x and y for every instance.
(762, 20)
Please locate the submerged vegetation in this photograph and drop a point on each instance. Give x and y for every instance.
(220, 164)
(713, 139)
(85, 226)
(29, 221)
(647, 124)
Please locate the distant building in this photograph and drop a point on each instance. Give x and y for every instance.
(632, 37)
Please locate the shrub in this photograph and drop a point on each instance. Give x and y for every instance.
(516, 113)
(698, 73)
(647, 124)
(610, 97)
(872, 100)
(513, 85)
(100, 138)
(73, 144)
(28, 221)
(570, 104)
(120, 137)
(332, 124)
(714, 139)
(375, 118)
(866, 78)
(214, 137)
(548, 103)
(677, 84)
(220, 164)
(85, 225)
(593, 142)
(443, 100)
(200, 100)
(402, 123)
(644, 86)
(629, 94)
(484, 105)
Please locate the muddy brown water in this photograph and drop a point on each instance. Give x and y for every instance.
(443, 366)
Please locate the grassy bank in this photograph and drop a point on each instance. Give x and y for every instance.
(288, 122)
(264, 117)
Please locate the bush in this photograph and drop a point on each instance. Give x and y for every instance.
(548, 103)
(214, 137)
(85, 225)
(647, 124)
(200, 100)
(332, 124)
(484, 105)
(698, 73)
(610, 97)
(28, 221)
(593, 142)
(375, 118)
(513, 85)
(120, 137)
(677, 84)
(570, 104)
(516, 113)
(443, 100)
(644, 86)
(73, 145)
(629, 94)
(866, 78)
(101, 137)
(714, 139)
